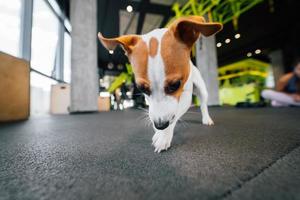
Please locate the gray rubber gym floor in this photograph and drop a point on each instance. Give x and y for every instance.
(248, 154)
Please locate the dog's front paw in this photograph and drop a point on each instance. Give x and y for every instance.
(161, 141)
(207, 121)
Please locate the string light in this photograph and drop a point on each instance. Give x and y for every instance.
(111, 51)
(249, 54)
(227, 41)
(237, 36)
(257, 51)
(219, 44)
(129, 8)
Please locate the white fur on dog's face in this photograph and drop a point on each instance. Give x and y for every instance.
(161, 106)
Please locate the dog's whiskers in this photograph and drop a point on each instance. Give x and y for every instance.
(145, 117)
(183, 122)
(147, 122)
(192, 112)
(138, 94)
(143, 109)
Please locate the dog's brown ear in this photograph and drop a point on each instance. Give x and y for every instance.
(126, 41)
(188, 29)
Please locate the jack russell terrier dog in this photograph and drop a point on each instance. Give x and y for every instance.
(165, 74)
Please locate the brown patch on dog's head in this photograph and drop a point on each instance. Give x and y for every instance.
(176, 58)
(139, 61)
(176, 47)
(137, 53)
(153, 46)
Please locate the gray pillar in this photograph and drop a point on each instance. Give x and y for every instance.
(277, 64)
(26, 29)
(206, 59)
(84, 70)
(59, 59)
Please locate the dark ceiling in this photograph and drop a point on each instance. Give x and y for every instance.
(109, 20)
(265, 27)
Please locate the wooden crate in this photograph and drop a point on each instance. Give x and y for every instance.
(60, 99)
(103, 103)
(14, 88)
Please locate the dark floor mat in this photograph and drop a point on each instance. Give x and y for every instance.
(109, 156)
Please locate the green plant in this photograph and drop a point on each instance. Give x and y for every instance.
(124, 77)
(222, 11)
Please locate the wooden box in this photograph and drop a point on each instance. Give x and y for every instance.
(103, 103)
(14, 88)
(60, 99)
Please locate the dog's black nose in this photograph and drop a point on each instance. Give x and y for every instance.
(161, 125)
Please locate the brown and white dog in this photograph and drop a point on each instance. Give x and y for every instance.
(165, 74)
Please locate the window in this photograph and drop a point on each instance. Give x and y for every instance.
(40, 87)
(50, 44)
(10, 20)
(67, 58)
(45, 33)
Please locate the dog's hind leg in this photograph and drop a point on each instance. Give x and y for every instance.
(201, 92)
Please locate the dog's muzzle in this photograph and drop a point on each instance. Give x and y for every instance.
(161, 125)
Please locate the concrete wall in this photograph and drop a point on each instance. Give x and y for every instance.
(84, 70)
(206, 60)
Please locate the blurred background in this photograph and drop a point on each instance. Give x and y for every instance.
(88, 135)
(52, 62)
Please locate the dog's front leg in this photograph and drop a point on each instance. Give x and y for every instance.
(162, 139)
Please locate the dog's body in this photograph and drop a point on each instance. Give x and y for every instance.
(164, 72)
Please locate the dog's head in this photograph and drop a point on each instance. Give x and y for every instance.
(160, 61)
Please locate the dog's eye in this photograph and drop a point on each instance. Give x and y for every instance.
(172, 87)
(144, 89)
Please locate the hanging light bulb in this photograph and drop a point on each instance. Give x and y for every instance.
(237, 36)
(129, 8)
(257, 51)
